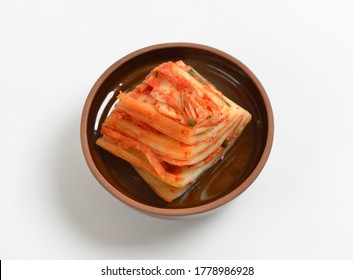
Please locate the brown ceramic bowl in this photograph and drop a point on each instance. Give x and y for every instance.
(228, 178)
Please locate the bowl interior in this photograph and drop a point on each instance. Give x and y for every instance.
(228, 75)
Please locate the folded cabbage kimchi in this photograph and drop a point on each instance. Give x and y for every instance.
(172, 127)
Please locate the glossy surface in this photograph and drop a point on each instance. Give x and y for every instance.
(223, 182)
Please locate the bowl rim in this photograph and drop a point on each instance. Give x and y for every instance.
(175, 211)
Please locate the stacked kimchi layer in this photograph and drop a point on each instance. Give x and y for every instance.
(172, 127)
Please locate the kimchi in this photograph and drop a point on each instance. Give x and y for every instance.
(172, 128)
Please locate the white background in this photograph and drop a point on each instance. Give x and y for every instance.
(52, 52)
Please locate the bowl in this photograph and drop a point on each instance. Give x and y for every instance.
(227, 179)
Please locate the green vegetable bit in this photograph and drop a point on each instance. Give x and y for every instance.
(192, 72)
(197, 76)
(191, 122)
(225, 143)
